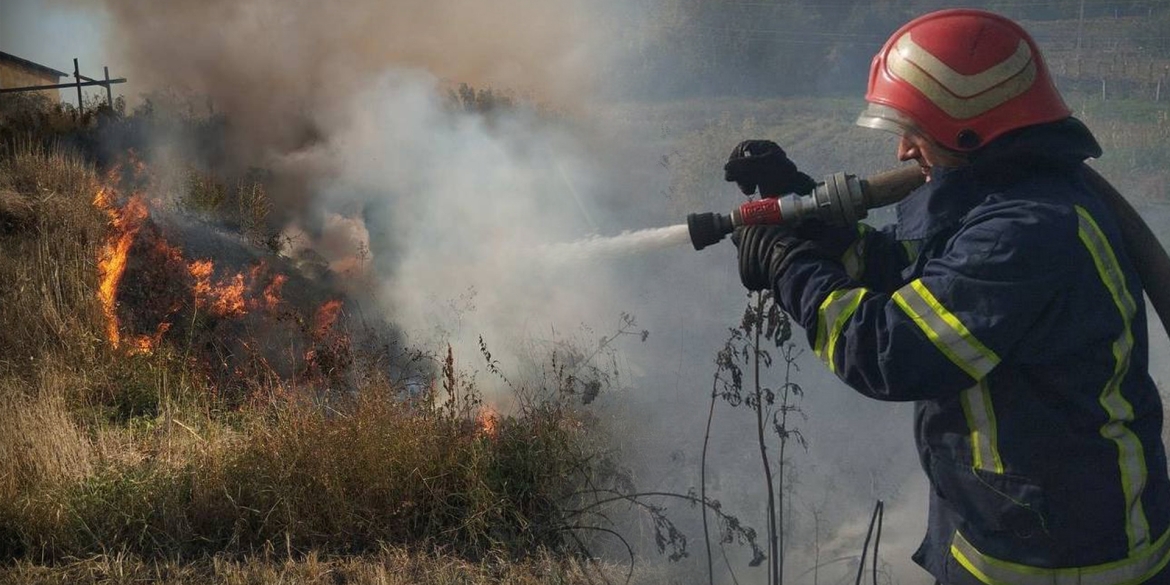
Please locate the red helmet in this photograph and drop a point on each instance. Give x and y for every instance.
(962, 77)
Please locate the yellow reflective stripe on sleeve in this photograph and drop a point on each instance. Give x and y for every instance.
(832, 316)
(1137, 568)
(984, 434)
(945, 330)
(1131, 457)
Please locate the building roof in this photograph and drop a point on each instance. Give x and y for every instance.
(5, 57)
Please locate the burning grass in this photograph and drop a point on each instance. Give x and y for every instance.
(194, 414)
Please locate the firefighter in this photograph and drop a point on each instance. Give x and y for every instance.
(1002, 303)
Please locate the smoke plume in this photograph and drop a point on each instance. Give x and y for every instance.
(282, 69)
(345, 104)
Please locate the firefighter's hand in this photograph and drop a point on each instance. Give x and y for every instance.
(762, 250)
(829, 241)
(763, 164)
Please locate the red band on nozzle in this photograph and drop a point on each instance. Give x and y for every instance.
(761, 212)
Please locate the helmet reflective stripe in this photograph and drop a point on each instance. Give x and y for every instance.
(1138, 567)
(1131, 457)
(962, 96)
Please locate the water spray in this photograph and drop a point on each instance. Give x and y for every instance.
(842, 199)
(624, 244)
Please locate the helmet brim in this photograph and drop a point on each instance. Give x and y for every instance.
(885, 118)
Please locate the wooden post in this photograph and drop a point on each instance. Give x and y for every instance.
(77, 76)
(109, 94)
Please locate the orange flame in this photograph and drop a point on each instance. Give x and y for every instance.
(272, 292)
(113, 255)
(223, 300)
(325, 318)
(200, 270)
(229, 298)
(147, 343)
(167, 251)
(488, 422)
(218, 292)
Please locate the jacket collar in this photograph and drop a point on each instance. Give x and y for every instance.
(939, 204)
(943, 202)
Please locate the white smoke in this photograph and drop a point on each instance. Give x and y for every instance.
(456, 206)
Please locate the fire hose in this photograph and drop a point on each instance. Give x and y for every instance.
(844, 199)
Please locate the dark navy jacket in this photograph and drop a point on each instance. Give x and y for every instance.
(1004, 304)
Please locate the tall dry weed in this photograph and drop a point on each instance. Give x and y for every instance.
(41, 449)
(39, 441)
(48, 279)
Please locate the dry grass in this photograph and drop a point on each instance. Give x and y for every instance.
(389, 566)
(300, 477)
(47, 268)
(40, 445)
(49, 325)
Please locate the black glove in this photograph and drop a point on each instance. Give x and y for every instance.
(765, 249)
(763, 164)
(762, 250)
(830, 241)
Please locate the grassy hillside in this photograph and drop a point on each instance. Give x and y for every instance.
(120, 463)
